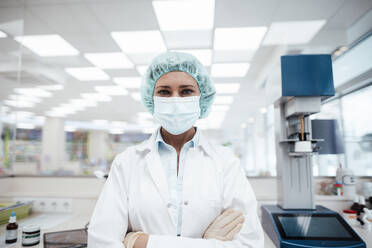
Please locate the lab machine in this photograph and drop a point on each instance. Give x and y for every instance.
(296, 221)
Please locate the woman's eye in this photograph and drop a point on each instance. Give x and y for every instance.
(163, 92)
(187, 92)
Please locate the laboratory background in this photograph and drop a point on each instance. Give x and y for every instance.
(70, 76)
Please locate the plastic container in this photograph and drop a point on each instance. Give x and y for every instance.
(350, 216)
(30, 235)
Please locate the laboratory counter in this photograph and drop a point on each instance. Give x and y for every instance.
(53, 222)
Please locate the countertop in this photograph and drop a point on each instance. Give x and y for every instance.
(51, 222)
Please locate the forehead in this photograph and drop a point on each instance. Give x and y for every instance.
(176, 78)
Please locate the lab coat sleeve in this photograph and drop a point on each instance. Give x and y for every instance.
(109, 222)
(237, 194)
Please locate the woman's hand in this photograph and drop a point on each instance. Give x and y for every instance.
(136, 240)
(225, 226)
(141, 241)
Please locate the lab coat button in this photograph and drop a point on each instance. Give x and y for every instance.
(169, 205)
(186, 202)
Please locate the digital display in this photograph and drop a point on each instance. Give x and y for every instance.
(322, 227)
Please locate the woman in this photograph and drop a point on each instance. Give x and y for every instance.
(176, 189)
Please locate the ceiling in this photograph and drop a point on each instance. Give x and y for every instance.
(87, 26)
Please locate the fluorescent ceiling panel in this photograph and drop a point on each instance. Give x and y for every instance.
(291, 33)
(184, 15)
(227, 88)
(33, 92)
(141, 69)
(223, 99)
(203, 55)
(139, 41)
(142, 58)
(109, 60)
(111, 90)
(82, 103)
(244, 38)
(97, 97)
(3, 34)
(25, 98)
(19, 104)
(52, 87)
(87, 73)
(188, 39)
(230, 70)
(47, 45)
(128, 82)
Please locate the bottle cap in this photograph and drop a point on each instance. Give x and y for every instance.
(31, 228)
(12, 218)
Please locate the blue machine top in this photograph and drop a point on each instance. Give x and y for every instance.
(307, 75)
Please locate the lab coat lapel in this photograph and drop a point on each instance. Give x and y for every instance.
(157, 174)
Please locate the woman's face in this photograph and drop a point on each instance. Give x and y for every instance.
(176, 84)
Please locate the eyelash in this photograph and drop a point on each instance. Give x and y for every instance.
(183, 92)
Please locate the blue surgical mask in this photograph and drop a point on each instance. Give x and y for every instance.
(176, 114)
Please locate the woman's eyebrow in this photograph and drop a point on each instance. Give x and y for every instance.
(163, 86)
(187, 85)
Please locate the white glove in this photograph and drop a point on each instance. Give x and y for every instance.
(225, 226)
(131, 238)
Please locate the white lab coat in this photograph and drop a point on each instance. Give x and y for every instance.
(135, 198)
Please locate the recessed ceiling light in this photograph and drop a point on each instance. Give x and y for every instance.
(19, 104)
(141, 69)
(87, 73)
(263, 110)
(227, 88)
(290, 33)
(63, 110)
(35, 92)
(230, 70)
(203, 55)
(111, 90)
(25, 98)
(51, 87)
(139, 41)
(96, 97)
(55, 113)
(244, 38)
(82, 103)
(184, 15)
(128, 82)
(47, 45)
(224, 99)
(109, 60)
(3, 34)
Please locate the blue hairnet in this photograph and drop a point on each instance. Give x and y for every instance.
(176, 61)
